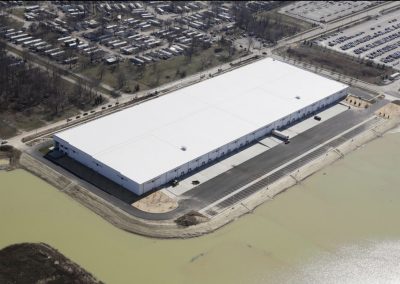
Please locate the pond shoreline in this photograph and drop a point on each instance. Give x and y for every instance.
(166, 229)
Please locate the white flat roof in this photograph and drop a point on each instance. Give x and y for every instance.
(144, 141)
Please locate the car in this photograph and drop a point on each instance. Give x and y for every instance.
(4, 142)
(317, 117)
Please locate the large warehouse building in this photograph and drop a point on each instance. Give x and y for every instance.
(147, 145)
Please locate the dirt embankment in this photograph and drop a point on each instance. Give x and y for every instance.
(40, 263)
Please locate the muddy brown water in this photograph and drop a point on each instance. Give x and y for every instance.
(341, 225)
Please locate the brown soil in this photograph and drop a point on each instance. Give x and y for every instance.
(357, 102)
(39, 263)
(389, 110)
(156, 202)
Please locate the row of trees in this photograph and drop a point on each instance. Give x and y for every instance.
(24, 87)
(266, 27)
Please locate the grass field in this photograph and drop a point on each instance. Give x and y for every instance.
(11, 123)
(6, 130)
(10, 22)
(158, 73)
(19, 12)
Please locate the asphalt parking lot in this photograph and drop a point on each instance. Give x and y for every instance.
(252, 151)
(326, 11)
(228, 182)
(377, 39)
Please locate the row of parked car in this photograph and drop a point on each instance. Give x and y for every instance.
(391, 57)
(343, 38)
(377, 43)
(386, 49)
(369, 37)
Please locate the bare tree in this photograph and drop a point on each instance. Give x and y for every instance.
(203, 62)
(121, 78)
(250, 42)
(101, 71)
(190, 51)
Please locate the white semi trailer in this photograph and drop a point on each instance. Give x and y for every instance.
(280, 135)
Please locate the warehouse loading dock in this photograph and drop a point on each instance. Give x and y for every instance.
(210, 119)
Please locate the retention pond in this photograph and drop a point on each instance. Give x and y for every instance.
(339, 226)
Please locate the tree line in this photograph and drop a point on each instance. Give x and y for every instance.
(266, 27)
(24, 87)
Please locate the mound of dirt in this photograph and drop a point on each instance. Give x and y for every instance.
(190, 219)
